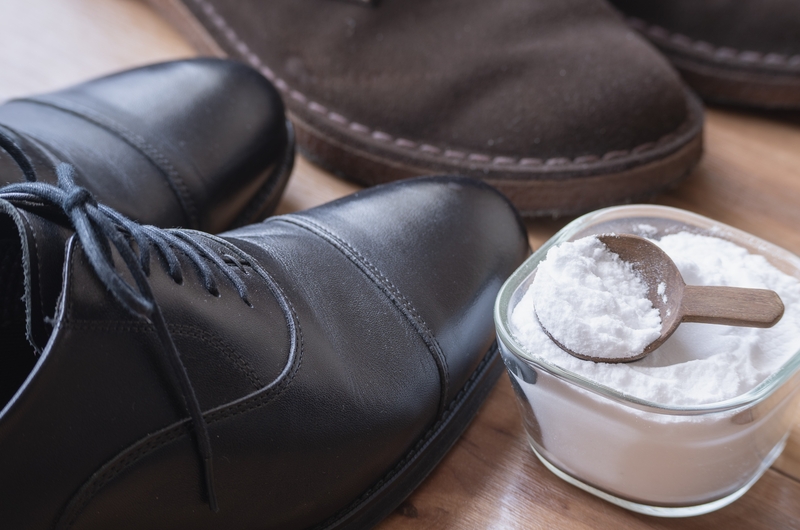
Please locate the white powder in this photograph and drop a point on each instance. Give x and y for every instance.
(647, 230)
(594, 303)
(662, 291)
(700, 363)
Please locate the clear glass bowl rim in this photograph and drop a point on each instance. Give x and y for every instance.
(750, 398)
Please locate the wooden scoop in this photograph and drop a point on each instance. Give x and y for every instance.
(732, 306)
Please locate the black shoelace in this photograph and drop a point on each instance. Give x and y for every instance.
(98, 227)
(17, 155)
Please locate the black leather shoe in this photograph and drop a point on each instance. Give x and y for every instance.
(200, 144)
(308, 371)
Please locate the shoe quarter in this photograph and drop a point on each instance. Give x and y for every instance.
(361, 391)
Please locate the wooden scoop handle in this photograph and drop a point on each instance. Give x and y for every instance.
(733, 306)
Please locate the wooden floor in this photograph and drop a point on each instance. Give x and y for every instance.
(749, 178)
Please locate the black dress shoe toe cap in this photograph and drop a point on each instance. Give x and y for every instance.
(217, 128)
(443, 248)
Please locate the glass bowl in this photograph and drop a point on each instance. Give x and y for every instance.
(647, 457)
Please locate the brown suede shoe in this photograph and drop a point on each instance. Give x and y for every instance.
(745, 52)
(556, 103)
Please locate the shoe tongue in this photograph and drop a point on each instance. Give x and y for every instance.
(38, 244)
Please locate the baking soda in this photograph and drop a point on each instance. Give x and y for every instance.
(699, 363)
(594, 303)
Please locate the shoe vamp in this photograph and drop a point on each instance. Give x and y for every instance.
(230, 349)
(360, 393)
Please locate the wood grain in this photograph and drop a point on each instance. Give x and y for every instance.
(749, 178)
(731, 306)
(49, 44)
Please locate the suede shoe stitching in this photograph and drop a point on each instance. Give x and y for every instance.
(393, 293)
(433, 151)
(419, 446)
(727, 53)
(152, 153)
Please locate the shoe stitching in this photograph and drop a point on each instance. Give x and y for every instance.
(24, 249)
(180, 430)
(39, 279)
(207, 337)
(177, 430)
(100, 479)
(421, 443)
(744, 57)
(430, 150)
(277, 292)
(152, 153)
(393, 293)
(259, 401)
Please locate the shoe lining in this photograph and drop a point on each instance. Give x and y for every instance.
(17, 357)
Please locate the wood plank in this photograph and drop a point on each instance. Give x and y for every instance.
(749, 178)
(49, 44)
(311, 186)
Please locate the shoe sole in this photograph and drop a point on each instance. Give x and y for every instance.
(724, 75)
(388, 492)
(739, 87)
(553, 187)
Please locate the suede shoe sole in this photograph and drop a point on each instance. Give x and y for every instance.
(722, 74)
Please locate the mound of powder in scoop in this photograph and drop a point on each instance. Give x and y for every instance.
(594, 303)
(699, 363)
